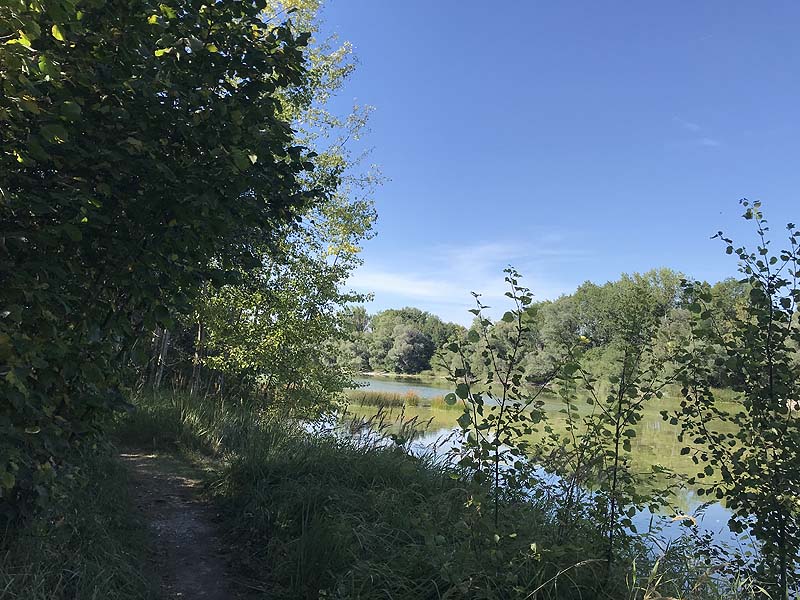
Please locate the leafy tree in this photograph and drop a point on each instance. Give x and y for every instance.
(633, 375)
(750, 455)
(383, 343)
(274, 330)
(411, 351)
(143, 154)
(356, 319)
(500, 413)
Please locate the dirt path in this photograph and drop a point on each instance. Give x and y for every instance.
(190, 558)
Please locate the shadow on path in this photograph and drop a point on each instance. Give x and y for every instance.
(190, 558)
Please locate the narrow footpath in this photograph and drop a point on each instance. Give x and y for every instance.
(190, 559)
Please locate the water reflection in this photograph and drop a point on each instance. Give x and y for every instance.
(657, 443)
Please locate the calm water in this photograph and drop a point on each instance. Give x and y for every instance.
(403, 385)
(656, 443)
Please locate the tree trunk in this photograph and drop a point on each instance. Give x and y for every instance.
(198, 346)
(162, 359)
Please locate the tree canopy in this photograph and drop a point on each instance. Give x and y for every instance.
(147, 158)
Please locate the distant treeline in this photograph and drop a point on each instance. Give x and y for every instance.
(409, 340)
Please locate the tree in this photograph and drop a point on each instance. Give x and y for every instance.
(143, 156)
(411, 351)
(753, 450)
(273, 331)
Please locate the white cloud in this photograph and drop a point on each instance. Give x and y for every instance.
(694, 128)
(440, 278)
(708, 142)
(405, 284)
(687, 125)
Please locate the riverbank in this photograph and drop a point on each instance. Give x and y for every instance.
(306, 515)
(422, 377)
(327, 515)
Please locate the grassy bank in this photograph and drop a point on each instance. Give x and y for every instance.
(88, 544)
(322, 516)
(396, 400)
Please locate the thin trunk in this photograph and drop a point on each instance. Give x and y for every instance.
(152, 364)
(162, 359)
(612, 524)
(198, 346)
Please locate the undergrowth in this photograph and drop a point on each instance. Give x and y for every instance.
(383, 399)
(332, 516)
(87, 545)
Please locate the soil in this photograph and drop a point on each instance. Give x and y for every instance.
(190, 558)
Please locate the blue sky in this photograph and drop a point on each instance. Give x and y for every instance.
(575, 140)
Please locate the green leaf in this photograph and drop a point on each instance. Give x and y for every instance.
(462, 391)
(450, 399)
(464, 420)
(473, 336)
(57, 33)
(167, 11)
(22, 40)
(509, 317)
(71, 110)
(47, 67)
(73, 232)
(240, 159)
(7, 480)
(54, 133)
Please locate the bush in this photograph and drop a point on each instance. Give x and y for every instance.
(87, 544)
(330, 516)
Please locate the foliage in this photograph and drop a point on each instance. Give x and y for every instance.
(381, 399)
(396, 340)
(499, 411)
(588, 466)
(330, 516)
(273, 331)
(144, 156)
(756, 466)
(87, 543)
(595, 452)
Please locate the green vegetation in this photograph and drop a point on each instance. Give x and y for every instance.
(407, 341)
(179, 210)
(163, 224)
(757, 463)
(88, 543)
(392, 399)
(127, 190)
(395, 341)
(327, 515)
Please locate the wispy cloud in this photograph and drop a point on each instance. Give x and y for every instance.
(440, 278)
(708, 142)
(689, 126)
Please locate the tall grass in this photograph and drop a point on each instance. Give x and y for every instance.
(383, 399)
(331, 516)
(395, 399)
(88, 545)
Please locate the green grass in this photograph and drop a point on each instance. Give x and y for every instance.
(323, 516)
(87, 545)
(382, 399)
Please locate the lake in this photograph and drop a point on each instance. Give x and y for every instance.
(656, 443)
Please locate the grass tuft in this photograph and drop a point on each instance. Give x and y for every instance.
(88, 544)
